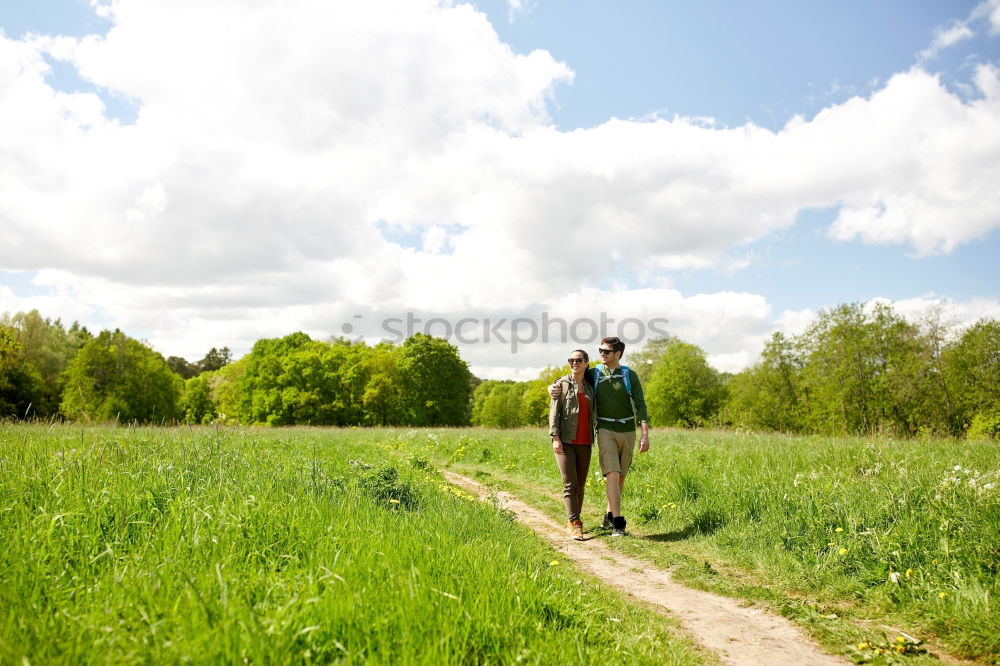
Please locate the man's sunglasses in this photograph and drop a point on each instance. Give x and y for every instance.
(605, 351)
(571, 361)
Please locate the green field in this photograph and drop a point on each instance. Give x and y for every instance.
(264, 546)
(844, 535)
(280, 546)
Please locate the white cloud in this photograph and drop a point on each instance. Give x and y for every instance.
(990, 10)
(515, 8)
(958, 31)
(247, 198)
(102, 9)
(435, 239)
(956, 315)
(58, 303)
(925, 174)
(945, 38)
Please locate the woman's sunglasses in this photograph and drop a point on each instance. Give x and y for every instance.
(571, 361)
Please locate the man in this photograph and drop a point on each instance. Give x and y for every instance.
(618, 411)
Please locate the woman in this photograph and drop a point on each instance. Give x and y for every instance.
(571, 426)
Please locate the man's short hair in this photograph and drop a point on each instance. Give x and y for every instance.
(615, 344)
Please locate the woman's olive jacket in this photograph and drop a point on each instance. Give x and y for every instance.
(565, 410)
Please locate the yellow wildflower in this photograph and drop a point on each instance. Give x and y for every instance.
(394, 501)
(942, 594)
(843, 551)
(909, 573)
(839, 529)
(554, 563)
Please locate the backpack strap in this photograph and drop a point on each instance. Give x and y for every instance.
(628, 382)
(598, 369)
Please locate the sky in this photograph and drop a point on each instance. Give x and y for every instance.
(520, 176)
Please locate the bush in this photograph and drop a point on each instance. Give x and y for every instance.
(385, 486)
(985, 425)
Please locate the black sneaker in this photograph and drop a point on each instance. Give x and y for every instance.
(618, 526)
(608, 518)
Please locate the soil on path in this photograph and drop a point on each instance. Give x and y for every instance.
(737, 634)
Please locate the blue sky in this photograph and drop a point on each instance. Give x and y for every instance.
(734, 167)
(764, 62)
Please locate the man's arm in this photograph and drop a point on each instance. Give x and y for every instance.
(554, 421)
(638, 397)
(641, 415)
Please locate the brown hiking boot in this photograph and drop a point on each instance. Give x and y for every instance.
(576, 529)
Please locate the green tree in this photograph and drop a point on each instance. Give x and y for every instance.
(21, 387)
(381, 391)
(643, 360)
(349, 374)
(379, 400)
(497, 403)
(182, 367)
(683, 389)
(224, 385)
(114, 377)
(296, 380)
(861, 372)
(534, 402)
(196, 404)
(971, 367)
(768, 395)
(479, 395)
(286, 382)
(935, 410)
(47, 347)
(435, 381)
(215, 359)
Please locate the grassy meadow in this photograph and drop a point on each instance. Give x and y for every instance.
(853, 538)
(125, 545)
(129, 546)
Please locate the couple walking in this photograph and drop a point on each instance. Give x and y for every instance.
(608, 399)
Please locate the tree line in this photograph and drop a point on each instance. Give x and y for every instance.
(48, 370)
(870, 371)
(855, 370)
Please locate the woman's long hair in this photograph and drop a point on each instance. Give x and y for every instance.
(588, 373)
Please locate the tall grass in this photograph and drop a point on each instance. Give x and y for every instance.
(296, 546)
(908, 530)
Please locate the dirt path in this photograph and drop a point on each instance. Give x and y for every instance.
(736, 634)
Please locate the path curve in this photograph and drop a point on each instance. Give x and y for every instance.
(736, 634)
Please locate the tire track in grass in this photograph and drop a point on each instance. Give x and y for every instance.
(737, 634)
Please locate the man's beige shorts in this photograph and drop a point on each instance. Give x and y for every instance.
(615, 449)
